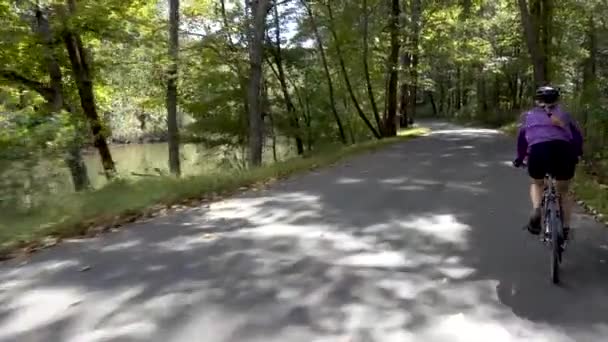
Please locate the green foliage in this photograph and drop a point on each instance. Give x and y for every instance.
(31, 143)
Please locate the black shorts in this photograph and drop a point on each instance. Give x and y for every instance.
(556, 157)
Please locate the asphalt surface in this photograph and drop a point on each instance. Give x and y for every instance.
(420, 241)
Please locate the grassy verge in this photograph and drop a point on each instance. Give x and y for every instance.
(593, 195)
(127, 201)
(510, 128)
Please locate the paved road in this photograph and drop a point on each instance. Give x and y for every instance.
(417, 242)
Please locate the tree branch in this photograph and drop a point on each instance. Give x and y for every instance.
(15, 78)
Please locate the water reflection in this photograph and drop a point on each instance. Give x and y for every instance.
(152, 158)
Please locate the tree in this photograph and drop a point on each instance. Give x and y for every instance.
(390, 121)
(300, 75)
(368, 81)
(330, 85)
(536, 21)
(172, 130)
(80, 62)
(56, 101)
(347, 82)
(257, 28)
(278, 59)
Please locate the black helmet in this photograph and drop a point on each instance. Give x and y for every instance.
(547, 94)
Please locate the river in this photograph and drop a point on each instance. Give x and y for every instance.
(147, 158)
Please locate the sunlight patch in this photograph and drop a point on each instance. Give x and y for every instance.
(425, 182)
(347, 180)
(264, 210)
(407, 288)
(183, 243)
(38, 308)
(468, 132)
(442, 227)
(399, 180)
(35, 269)
(471, 186)
(121, 246)
(311, 236)
(464, 327)
(383, 259)
(456, 272)
(136, 329)
(410, 188)
(460, 327)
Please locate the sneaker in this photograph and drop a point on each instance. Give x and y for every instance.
(567, 233)
(534, 224)
(567, 237)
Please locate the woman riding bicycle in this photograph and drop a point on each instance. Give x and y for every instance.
(553, 143)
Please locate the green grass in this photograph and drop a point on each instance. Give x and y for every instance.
(593, 193)
(510, 128)
(127, 200)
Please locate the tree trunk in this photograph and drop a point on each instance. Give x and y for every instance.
(82, 74)
(482, 104)
(303, 101)
(590, 92)
(497, 91)
(307, 121)
(73, 158)
(368, 80)
(522, 87)
(345, 73)
(546, 36)
(257, 28)
(441, 95)
(415, 37)
(273, 136)
(236, 66)
(458, 100)
(433, 105)
(330, 86)
(390, 128)
(291, 109)
(532, 33)
(403, 103)
(172, 75)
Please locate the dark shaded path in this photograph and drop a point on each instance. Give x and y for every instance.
(417, 242)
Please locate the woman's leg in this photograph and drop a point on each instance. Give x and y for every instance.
(536, 196)
(537, 169)
(536, 192)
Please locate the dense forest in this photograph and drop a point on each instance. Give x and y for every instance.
(79, 76)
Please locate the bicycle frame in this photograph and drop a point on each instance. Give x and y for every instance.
(552, 219)
(552, 209)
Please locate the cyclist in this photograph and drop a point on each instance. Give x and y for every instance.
(552, 141)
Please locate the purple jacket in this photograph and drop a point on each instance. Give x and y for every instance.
(536, 127)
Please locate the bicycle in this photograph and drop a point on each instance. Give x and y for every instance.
(552, 214)
(552, 233)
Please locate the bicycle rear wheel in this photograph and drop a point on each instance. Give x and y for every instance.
(556, 256)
